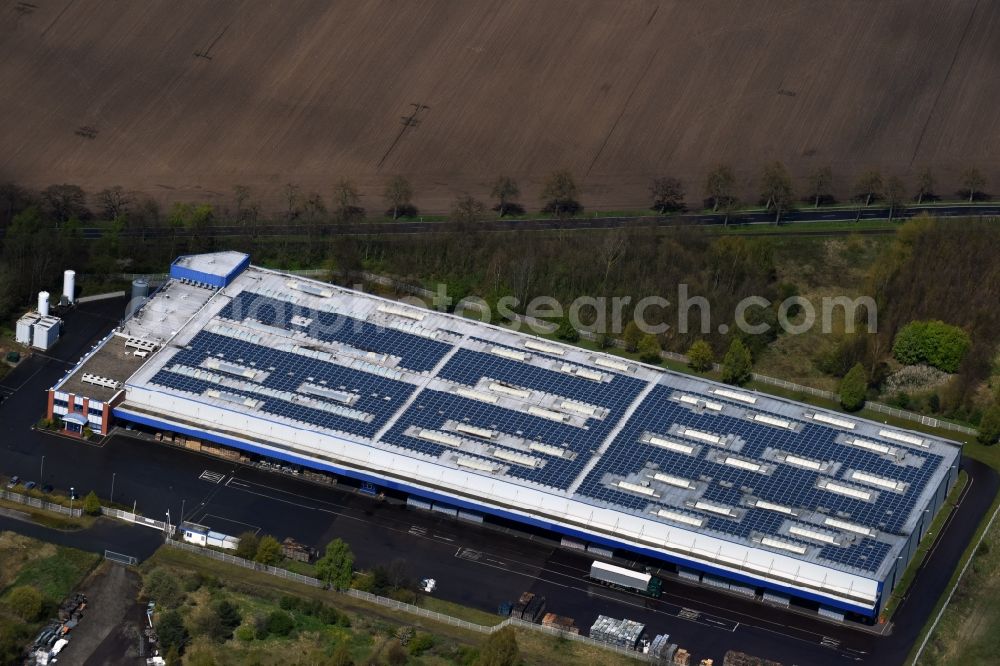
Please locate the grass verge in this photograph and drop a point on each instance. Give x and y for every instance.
(925, 545)
(56, 521)
(371, 626)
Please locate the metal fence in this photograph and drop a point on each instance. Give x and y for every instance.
(137, 519)
(405, 607)
(246, 564)
(120, 558)
(38, 503)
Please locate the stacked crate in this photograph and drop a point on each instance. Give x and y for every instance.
(623, 633)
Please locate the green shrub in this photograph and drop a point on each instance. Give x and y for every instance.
(172, 632)
(247, 547)
(737, 366)
(649, 349)
(280, 623)
(163, 588)
(420, 643)
(244, 633)
(989, 426)
(567, 331)
(25, 602)
(700, 356)
(91, 505)
(853, 388)
(268, 551)
(932, 342)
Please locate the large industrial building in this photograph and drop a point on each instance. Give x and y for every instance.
(723, 484)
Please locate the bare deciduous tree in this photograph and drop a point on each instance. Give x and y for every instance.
(925, 184)
(719, 185)
(894, 194)
(242, 195)
(114, 202)
(505, 191)
(612, 250)
(973, 181)
(64, 202)
(467, 209)
(559, 194)
(820, 184)
(397, 194)
(292, 195)
(776, 189)
(347, 198)
(868, 186)
(668, 195)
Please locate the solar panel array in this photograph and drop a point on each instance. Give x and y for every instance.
(513, 430)
(416, 353)
(787, 485)
(433, 409)
(379, 396)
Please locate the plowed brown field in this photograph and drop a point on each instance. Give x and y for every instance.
(101, 92)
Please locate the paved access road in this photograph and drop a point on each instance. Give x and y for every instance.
(410, 226)
(477, 566)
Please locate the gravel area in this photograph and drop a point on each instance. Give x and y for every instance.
(108, 632)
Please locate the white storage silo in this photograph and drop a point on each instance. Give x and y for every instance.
(43, 303)
(69, 286)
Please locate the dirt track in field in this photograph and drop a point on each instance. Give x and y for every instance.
(185, 100)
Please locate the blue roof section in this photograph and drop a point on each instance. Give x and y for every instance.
(216, 269)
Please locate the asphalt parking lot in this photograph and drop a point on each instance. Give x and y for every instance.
(477, 566)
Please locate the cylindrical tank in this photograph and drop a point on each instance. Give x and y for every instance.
(140, 292)
(43, 303)
(140, 289)
(69, 285)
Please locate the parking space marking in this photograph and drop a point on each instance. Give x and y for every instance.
(211, 517)
(212, 477)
